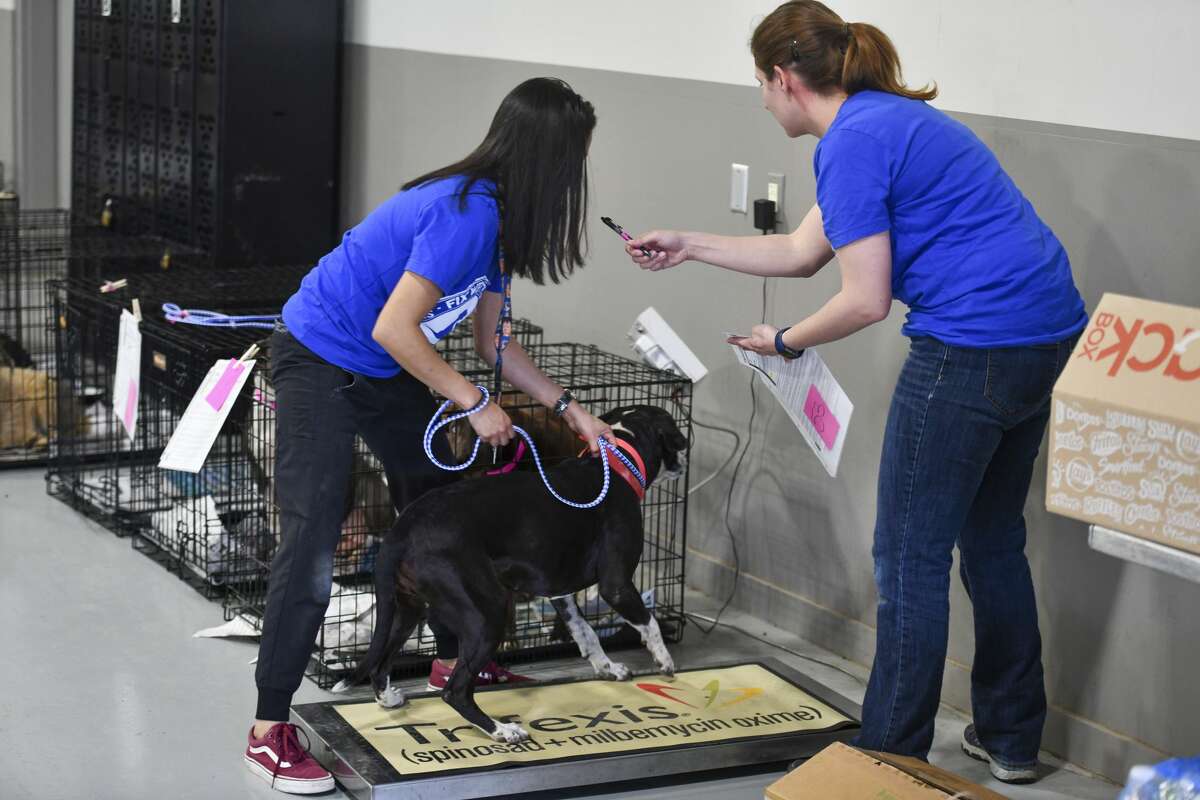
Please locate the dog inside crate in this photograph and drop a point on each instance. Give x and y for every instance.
(368, 506)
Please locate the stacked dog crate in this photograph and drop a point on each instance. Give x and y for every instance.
(192, 523)
(211, 122)
(601, 381)
(37, 246)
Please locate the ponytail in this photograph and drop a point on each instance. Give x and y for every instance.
(829, 54)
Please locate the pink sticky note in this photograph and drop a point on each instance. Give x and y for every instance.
(131, 401)
(821, 417)
(220, 393)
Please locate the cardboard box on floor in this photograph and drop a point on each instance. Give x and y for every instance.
(1125, 424)
(840, 772)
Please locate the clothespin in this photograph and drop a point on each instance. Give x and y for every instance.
(137, 311)
(112, 286)
(250, 353)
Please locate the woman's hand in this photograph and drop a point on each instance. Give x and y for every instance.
(666, 247)
(589, 427)
(761, 340)
(492, 425)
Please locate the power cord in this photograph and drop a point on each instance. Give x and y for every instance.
(737, 560)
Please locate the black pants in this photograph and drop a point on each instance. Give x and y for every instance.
(320, 409)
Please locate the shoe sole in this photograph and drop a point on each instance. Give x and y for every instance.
(1014, 776)
(288, 785)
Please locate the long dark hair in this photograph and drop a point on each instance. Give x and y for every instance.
(829, 53)
(535, 153)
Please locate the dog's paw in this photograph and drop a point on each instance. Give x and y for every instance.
(509, 733)
(667, 668)
(615, 671)
(391, 697)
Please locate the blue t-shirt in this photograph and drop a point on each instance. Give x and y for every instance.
(423, 231)
(970, 257)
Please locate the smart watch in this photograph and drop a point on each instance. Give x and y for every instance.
(782, 348)
(560, 407)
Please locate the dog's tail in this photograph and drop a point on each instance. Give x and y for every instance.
(390, 595)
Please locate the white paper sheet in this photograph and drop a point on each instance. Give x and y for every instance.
(206, 413)
(127, 380)
(810, 395)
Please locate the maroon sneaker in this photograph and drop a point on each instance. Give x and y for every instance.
(490, 675)
(279, 760)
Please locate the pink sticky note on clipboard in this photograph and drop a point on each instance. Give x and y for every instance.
(220, 393)
(131, 401)
(821, 417)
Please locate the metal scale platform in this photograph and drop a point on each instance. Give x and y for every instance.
(583, 732)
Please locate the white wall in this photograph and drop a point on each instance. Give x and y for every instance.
(1092, 63)
(8, 5)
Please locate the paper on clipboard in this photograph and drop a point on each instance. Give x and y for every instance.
(206, 413)
(810, 395)
(127, 378)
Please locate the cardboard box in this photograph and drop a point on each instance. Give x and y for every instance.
(1125, 425)
(840, 772)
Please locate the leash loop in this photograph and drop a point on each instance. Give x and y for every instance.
(438, 422)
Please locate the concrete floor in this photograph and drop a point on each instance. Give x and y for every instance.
(106, 695)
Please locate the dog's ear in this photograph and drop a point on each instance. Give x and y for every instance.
(667, 430)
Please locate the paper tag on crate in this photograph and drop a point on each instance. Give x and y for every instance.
(127, 380)
(206, 413)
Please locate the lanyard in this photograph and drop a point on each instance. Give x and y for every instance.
(504, 322)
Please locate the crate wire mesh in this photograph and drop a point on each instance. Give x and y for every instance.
(601, 381)
(37, 246)
(200, 526)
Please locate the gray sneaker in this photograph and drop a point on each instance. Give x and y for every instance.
(1009, 773)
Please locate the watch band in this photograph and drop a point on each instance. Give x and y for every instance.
(782, 348)
(564, 400)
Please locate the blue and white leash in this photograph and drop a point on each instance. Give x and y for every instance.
(435, 425)
(215, 319)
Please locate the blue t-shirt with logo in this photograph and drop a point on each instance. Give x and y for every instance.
(422, 230)
(970, 257)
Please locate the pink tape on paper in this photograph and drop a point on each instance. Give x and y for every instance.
(131, 401)
(220, 393)
(821, 417)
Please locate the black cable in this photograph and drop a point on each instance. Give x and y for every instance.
(737, 445)
(737, 560)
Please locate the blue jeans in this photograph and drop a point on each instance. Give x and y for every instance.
(962, 435)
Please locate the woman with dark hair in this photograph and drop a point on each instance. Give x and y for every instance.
(354, 355)
(917, 208)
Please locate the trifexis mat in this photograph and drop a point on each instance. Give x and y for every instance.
(581, 732)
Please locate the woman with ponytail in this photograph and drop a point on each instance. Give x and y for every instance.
(916, 208)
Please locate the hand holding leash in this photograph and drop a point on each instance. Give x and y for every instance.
(492, 425)
(591, 429)
(438, 422)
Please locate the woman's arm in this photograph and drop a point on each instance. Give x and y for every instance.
(865, 298)
(799, 254)
(398, 331)
(521, 372)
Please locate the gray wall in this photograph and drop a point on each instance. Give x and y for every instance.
(8, 100)
(1122, 643)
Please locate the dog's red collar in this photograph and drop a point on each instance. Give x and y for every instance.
(617, 466)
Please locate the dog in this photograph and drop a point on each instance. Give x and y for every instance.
(31, 410)
(555, 439)
(443, 558)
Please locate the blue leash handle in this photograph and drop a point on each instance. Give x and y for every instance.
(215, 319)
(436, 424)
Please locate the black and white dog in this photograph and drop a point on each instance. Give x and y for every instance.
(463, 550)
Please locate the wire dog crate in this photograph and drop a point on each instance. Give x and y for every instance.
(37, 246)
(601, 381)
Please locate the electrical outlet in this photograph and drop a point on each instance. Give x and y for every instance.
(739, 186)
(775, 191)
